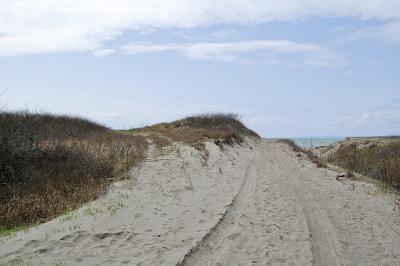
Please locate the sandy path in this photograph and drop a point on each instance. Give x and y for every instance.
(241, 206)
(292, 213)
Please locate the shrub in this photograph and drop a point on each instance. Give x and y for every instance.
(51, 163)
(379, 159)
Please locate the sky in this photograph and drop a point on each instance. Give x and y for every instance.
(289, 68)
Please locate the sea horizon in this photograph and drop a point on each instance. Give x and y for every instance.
(316, 141)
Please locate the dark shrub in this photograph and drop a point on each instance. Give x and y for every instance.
(50, 163)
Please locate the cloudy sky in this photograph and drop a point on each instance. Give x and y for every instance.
(288, 67)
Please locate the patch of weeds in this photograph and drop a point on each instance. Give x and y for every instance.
(18, 261)
(4, 232)
(113, 206)
(92, 211)
(69, 215)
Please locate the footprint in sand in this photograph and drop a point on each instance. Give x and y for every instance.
(42, 250)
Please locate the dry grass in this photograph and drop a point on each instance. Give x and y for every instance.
(219, 128)
(379, 159)
(159, 140)
(49, 164)
(24, 208)
(296, 148)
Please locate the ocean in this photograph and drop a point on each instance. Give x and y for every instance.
(312, 142)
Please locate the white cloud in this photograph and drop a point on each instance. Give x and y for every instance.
(229, 51)
(224, 34)
(388, 33)
(389, 118)
(43, 26)
(103, 52)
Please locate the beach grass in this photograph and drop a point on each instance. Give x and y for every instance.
(7, 232)
(50, 164)
(377, 157)
(219, 128)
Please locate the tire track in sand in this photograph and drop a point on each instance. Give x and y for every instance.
(267, 186)
(208, 250)
(325, 248)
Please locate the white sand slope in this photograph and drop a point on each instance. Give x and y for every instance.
(243, 206)
(166, 207)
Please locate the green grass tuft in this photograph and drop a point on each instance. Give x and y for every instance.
(8, 232)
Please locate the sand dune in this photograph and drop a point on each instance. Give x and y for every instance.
(255, 204)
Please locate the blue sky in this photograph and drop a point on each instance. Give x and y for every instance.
(293, 68)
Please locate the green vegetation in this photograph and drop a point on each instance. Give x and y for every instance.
(4, 232)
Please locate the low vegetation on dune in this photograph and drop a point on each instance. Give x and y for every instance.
(50, 164)
(219, 128)
(379, 158)
(296, 148)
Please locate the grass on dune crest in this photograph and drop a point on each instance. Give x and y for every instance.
(220, 128)
(50, 163)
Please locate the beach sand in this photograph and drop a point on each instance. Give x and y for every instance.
(251, 204)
